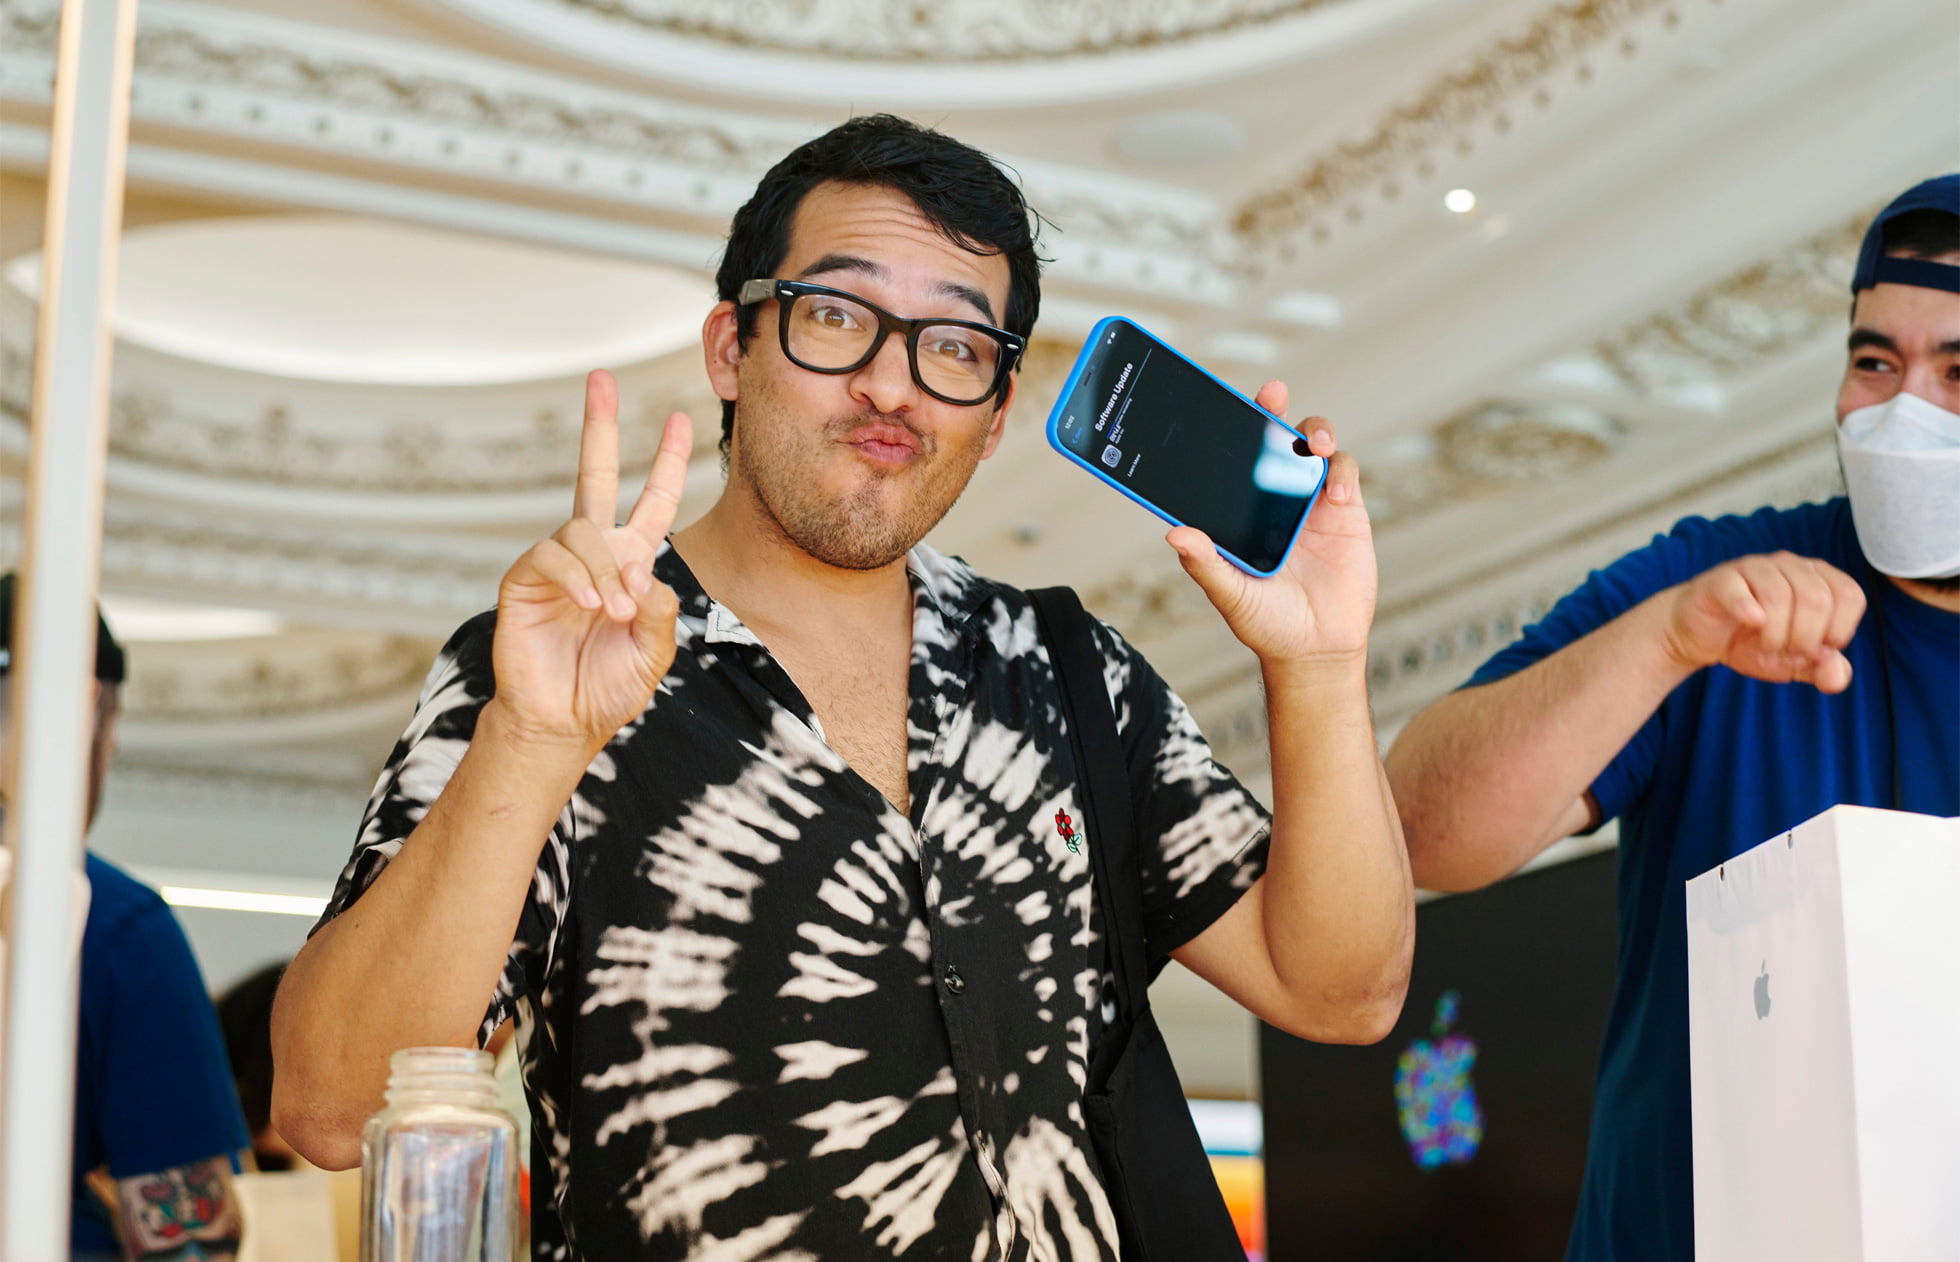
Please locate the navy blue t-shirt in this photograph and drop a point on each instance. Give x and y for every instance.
(153, 1088)
(1725, 763)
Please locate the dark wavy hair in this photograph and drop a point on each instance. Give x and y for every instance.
(960, 190)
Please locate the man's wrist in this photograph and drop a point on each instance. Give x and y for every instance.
(498, 724)
(1320, 673)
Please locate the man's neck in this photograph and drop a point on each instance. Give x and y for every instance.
(1927, 594)
(744, 560)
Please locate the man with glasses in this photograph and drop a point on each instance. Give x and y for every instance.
(765, 832)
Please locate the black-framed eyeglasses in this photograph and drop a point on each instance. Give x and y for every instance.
(831, 331)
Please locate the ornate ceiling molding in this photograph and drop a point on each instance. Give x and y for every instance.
(307, 672)
(1743, 321)
(1027, 52)
(1403, 143)
(417, 584)
(425, 111)
(904, 30)
(216, 435)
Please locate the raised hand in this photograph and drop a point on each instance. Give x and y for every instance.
(584, 630)
(1319, 606)
(1779, 617)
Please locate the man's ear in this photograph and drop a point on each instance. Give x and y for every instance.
(721, 347)
(998, 426)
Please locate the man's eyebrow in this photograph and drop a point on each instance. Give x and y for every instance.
(1949, 347)
(876, 271)
(1863, 337)
(843, 263)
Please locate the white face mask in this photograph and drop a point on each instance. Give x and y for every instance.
(1902, 470)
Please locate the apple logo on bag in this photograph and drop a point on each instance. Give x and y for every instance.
(1762, 993)
(1434, 1098)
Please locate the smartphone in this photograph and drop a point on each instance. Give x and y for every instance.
(1185, 445)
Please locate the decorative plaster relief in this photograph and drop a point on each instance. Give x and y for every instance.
(1408, 138)
(1744, 320)
(227, 426)
(905, 30)
(430, 111)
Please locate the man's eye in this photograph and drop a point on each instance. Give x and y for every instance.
(952, 348)
(836, 318)
(1871, 363)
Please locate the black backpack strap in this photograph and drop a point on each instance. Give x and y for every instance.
(1109, 816)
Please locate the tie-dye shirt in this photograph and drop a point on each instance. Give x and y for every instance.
(763, 1014)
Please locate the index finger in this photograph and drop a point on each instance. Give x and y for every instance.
(653, 513)
(596, 497)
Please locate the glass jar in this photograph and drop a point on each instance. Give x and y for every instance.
(439, 1163)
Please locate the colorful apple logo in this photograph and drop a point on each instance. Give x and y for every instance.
(1434, 1096)
(1762, 993)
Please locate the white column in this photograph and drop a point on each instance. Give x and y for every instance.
(54, 629)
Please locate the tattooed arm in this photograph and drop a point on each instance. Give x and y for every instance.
(184, 1212)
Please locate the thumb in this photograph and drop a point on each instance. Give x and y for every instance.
(1830, 671)
(654, 613)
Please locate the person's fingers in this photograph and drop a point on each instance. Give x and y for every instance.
(1219, 578)
(1847, 605)
(587, 542)
(1343, 479)
(596, 498)
(660, 499)
(1730, 594)
(1771, 588)
(1317, 437)
(1810, 605)
(653, 623)
(550, 562)
(1272, 396)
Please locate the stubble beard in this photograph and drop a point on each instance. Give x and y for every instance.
(863, 530)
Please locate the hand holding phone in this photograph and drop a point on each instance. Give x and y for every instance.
(1175, 439)
(1293, 581)
(1318, 608)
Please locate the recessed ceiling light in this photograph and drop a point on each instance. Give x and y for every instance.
(1460, 200)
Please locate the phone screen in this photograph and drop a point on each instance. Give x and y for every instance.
(1162, 429)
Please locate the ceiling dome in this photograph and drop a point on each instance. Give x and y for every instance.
(330, 298)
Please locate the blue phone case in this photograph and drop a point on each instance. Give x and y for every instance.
(1094, 344)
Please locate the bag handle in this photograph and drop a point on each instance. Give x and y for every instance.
(1106, 804)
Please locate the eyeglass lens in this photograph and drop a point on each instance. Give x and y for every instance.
(828, 331)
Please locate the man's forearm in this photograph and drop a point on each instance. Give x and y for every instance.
(1489, 776)
(1338, 911)
(415, 960)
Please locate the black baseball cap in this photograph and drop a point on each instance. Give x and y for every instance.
(110, 665)
(1875, 268)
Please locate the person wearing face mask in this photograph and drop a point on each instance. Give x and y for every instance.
(1721, 685)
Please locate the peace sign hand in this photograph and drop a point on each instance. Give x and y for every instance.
(585, 632)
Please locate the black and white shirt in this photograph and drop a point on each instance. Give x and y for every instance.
(763, 1014)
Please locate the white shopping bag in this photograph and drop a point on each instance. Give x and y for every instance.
(1823, 1012)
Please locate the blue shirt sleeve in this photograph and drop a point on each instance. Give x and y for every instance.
(154, 1058)
(1693, 545)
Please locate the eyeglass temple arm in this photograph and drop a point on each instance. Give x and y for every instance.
(755, 291)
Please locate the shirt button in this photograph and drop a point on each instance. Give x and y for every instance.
(954, 982)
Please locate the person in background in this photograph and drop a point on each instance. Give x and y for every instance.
(1718, 687)
(245, 1016)
(157, 1124)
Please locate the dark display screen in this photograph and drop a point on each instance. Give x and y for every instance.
(1462, 1135)
(1170, 435)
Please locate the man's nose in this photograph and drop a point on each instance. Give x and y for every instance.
(885, 384)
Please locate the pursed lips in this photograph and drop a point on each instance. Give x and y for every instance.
(885, 444)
